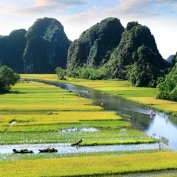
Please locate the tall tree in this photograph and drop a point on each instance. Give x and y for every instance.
(8, 78)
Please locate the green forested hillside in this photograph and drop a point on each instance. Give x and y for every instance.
(104, 51)
(168, 88)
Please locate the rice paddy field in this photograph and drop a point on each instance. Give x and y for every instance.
(37, 113)
(142, 95)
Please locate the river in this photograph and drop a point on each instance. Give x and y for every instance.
(160, 125)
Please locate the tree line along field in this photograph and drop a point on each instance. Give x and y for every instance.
(41, 111)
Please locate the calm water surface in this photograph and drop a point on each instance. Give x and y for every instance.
(64, 148)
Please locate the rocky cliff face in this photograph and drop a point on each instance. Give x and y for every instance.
(94, 46)
(171, 58)
(12, 48)
(47, 46)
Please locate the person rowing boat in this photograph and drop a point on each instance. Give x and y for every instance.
(77, 143)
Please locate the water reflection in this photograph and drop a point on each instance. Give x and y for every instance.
(159, 124)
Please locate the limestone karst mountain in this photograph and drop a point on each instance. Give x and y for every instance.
(12, 48)
(171, 58)
(39, 50)
(104, 51)
(115, 52)
(46, 48)
(138, 50)
(94, 46)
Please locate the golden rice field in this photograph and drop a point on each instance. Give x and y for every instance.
(41, 97)
(91, 165)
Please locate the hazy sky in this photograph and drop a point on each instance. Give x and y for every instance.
(78, 15)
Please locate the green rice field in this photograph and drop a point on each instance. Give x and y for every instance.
(36, 113)
(142, 95)
(32, 108)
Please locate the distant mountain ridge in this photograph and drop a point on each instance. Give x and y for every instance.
(134, 47)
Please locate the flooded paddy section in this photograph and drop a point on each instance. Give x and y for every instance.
(65, 148)
(158, 125)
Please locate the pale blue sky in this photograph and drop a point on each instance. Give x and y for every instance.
(78, 15)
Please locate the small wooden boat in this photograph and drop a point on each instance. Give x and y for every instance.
(48, 150)
(22, 151)
(152, 114)
(77, 143)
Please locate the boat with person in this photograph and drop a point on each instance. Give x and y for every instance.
(48, 150)
(22, 151)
